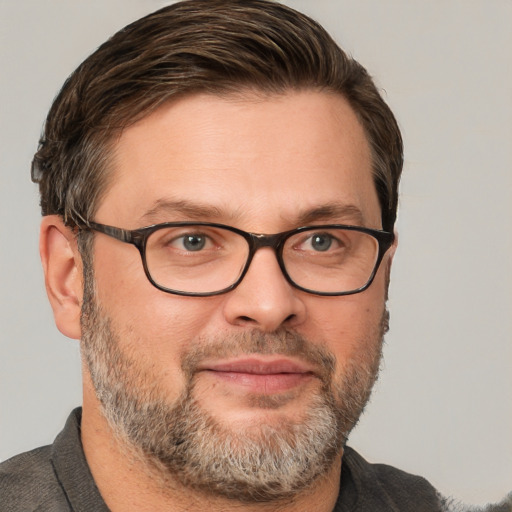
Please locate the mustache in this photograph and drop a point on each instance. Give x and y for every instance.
(283, 342)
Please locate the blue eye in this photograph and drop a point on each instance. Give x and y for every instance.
(321, 242)
(193, 242)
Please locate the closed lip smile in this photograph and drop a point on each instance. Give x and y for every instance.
(260, 374)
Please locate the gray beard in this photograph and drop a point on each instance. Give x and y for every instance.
(180, 440)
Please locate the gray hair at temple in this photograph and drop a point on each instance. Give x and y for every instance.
(219, 47)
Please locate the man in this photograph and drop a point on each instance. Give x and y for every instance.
(219, 189)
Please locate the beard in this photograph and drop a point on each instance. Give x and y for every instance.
(181, 441)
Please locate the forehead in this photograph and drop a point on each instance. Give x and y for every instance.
(246, 158)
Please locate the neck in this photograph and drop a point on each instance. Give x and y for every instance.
(128, 483)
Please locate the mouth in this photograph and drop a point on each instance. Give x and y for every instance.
(262, 375)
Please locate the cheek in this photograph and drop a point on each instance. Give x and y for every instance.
(118, 272)
(170, 323)
(349, 326)
(139, 310)
(158, 325)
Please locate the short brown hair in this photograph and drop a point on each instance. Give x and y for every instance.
(213, 46)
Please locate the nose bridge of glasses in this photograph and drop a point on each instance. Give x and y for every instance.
(274, 242)
(261, 240)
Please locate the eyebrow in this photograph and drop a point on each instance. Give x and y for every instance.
(164, 209)
(332, 212)
(187, 209)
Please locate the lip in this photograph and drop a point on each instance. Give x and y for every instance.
(259, 365)
(264, 375)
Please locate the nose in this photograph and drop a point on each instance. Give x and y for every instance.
(264, 299)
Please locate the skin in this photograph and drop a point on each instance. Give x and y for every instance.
(260, 163)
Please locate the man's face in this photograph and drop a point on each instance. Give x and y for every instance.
(264, 365)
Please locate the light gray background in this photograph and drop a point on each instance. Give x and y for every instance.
(443, 406)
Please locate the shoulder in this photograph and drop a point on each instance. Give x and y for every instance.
(28, 483)
(388, 487)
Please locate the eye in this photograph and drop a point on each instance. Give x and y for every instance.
(192, 242)
(328, 242)
(321, 242)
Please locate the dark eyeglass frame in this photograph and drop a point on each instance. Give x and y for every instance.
(139, 237)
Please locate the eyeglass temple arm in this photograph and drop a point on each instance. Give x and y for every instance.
(124, 235)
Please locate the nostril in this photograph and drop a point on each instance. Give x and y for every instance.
(247, 320)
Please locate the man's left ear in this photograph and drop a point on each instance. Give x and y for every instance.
(393, 248)
(62, 266)
(390, 256)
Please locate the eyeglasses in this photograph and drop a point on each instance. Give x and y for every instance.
(204, 259)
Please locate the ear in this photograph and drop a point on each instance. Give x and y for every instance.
(390, 254)
(62, 267)
(393, 248)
